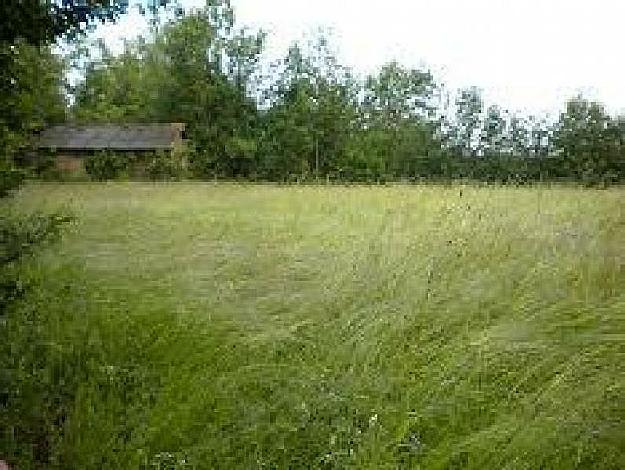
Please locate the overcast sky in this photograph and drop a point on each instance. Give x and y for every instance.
(527, 55)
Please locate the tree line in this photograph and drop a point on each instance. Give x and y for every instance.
(307, 117)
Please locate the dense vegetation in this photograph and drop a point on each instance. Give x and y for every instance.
(247, 326)
(306, 117)
(20, 235)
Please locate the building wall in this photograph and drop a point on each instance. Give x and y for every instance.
(71, 164)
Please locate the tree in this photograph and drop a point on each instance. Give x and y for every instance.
(539, 137)
(469, 109)
(397, 94)
(589, 140)
(39, 22)
(519, 136)
(397, 116)
(36, 97)
(311, 114)
(494, 136)
(118, 89)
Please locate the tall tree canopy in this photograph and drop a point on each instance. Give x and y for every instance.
(40, 22)
(309, 117)
(397, 123)
(590, 141)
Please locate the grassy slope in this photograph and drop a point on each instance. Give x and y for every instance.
(250, 326)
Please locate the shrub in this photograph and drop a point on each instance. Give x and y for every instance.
(18, 236)
(163, 166)
(43, 166)
(10, 178)
(106, 166)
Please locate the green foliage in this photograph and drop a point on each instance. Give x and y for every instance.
(469, 107)
(33, 99)
(312, 114)
(10, 179)
(19, 236)
(106, 165)
(591, 142)
(42, 22)
(309, 119)
(164, 166)
(44, 166)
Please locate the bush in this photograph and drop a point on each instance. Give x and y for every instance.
(43, 166)
(106, 166)
(20, 412)
(162, 166)
(10, 178)
(18, 236)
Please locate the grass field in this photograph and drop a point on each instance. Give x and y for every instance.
(222, 326)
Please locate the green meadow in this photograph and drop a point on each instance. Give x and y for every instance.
(246, 326)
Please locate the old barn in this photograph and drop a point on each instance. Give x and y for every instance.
(71, 144)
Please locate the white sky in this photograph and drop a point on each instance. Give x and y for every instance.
(527, 55)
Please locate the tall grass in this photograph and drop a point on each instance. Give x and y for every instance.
(224, 326)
